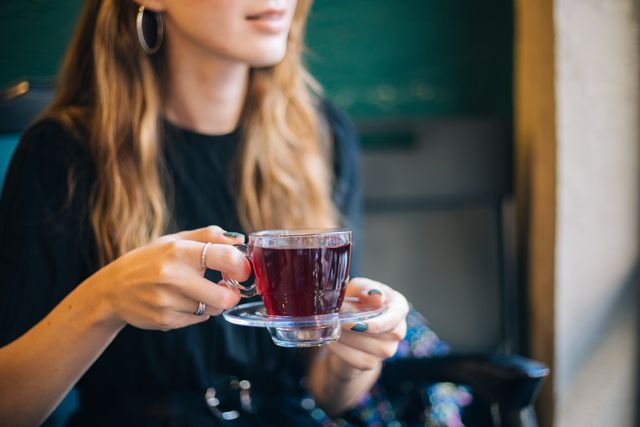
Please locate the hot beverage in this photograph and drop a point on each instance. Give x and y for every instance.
(301, 281)
(302, 277)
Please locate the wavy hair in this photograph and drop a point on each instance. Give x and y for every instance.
(109, 95)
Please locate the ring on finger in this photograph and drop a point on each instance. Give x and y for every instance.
(203, 256)
(201, 308)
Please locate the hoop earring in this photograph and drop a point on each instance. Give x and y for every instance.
(150, 50)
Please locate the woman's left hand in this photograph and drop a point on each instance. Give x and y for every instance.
(363, 346)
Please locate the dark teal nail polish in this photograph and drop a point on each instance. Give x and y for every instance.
(360, 327)
(375, 292)
(231, 234)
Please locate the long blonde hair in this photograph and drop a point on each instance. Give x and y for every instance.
(109, 95)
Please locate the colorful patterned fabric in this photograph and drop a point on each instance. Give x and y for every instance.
(441, 403)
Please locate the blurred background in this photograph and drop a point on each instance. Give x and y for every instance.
(429, 84)
(500, 165)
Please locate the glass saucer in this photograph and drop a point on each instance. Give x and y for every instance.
(309, 331)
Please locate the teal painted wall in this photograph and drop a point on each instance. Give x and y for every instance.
(33, 36)
(415, 57)
(376, 58)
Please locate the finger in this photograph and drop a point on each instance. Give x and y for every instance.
(354, 357)
(221, 257)
(229, 260)
(382, 345)
(396, 334)
(176, 320)
(184, 304)
(366, 292)
(215, 296)
(394, 315)
(381, 348)
(213, 234)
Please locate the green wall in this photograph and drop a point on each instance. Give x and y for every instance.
(376, 58)
(33, 36)
(415, 57)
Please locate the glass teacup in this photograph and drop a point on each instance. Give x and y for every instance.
(301, 276)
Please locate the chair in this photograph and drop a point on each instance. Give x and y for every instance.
(506, 385)
(20, 104)
(441, 191)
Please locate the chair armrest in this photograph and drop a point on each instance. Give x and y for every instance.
(511, 381)
(21, 102)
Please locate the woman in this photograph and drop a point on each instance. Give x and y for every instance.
(174, 116)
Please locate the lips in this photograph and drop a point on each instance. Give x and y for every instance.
(267, 15)
(271, 21)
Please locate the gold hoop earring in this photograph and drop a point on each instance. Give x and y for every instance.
(140, 18)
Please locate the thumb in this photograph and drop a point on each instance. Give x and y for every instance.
(365, 292)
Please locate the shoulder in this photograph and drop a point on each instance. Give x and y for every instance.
(48, 150)
(344, 136)
(341, 126)
(346, 155)
(41, 165)
(51, 140)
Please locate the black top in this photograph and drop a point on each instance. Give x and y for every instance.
(148, 377)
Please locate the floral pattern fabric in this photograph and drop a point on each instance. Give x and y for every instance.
(441, 403)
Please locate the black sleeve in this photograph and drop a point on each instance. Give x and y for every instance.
(347, 194)
(43, 244)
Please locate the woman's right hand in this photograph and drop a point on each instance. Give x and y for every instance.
(157, 286)
(160, 285)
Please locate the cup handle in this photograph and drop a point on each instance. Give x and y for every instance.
(245, 292)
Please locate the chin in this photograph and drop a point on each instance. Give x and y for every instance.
(268, 56)
(266, 63)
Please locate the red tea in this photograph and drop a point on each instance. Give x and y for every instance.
(301, 281)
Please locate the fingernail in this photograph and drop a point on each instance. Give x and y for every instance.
(375, 292)
(231, 234)
(360, 327)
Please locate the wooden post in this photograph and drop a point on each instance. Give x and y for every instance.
(535, 132)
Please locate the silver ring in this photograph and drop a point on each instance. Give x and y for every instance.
(201, 308)
(203, 257)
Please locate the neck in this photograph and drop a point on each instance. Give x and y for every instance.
(206, 92)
